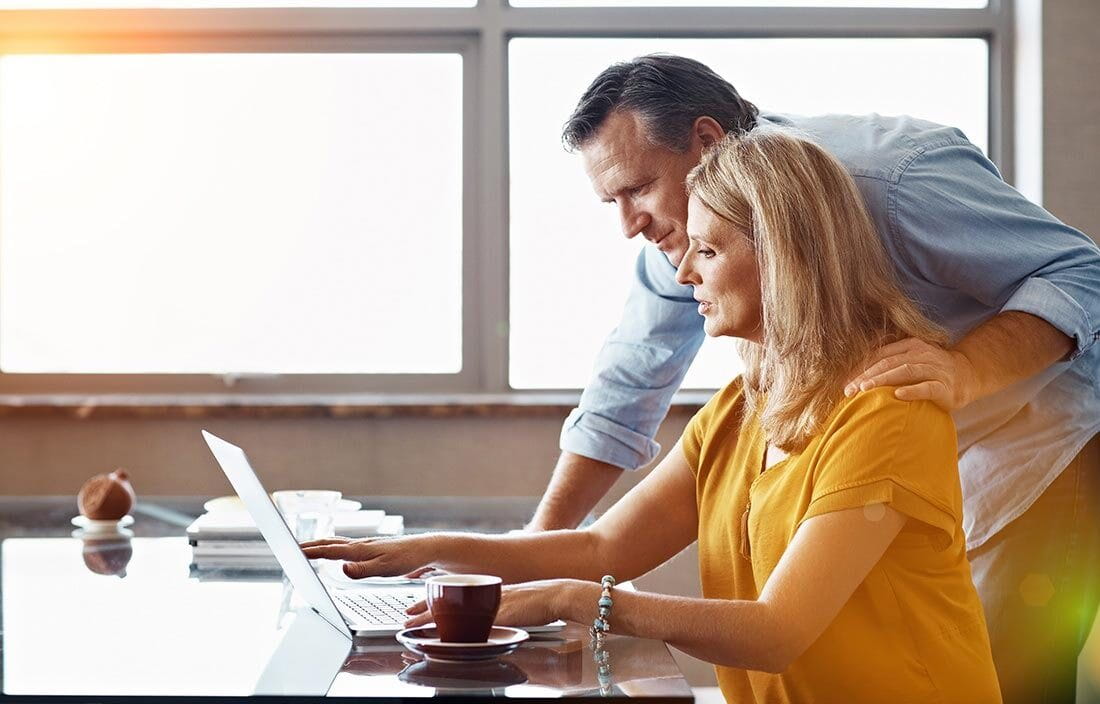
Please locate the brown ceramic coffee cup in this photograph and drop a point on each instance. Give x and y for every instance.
(464, 606)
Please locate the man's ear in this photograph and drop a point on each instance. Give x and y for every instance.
(707, 130)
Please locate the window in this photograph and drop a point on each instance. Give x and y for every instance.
(372, 195)
(211, 213)
(561, 234)
(750, 3)
(198, 4)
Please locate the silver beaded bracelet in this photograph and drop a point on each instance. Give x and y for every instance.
(601, 626)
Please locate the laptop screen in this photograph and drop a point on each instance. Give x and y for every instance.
(274, 529)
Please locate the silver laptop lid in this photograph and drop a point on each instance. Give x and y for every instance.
(275, 530)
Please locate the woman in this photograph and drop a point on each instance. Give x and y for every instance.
(831, 551)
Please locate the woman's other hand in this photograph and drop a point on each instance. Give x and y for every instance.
(526, 604)
(378, 557)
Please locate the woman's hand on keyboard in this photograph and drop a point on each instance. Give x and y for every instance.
(376, 557)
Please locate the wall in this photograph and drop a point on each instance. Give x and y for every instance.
(1071, 112)
(1071, 143)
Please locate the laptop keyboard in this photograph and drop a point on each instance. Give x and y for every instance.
(381, 608)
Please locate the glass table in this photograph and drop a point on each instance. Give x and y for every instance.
(103, 618)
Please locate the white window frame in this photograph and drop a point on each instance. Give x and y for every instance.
(481, 35)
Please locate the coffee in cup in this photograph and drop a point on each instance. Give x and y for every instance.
(464, 606)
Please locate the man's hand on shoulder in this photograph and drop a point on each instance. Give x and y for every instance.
(921, 371)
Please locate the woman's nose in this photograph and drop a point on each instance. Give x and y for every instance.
(684, 273)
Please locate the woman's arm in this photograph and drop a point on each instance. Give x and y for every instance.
(649, 525)
(828, 558)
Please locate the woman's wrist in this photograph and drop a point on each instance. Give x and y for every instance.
(578, 600)
(439, 550)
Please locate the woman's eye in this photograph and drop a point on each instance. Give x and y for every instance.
(705, 253)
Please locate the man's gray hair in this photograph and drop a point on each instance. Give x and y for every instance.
(669, 93)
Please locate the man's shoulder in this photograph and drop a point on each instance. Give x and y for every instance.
(871, 146)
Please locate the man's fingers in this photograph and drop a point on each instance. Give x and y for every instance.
(903, 375)
(894, 349)
(902, 369)
(909, 343)
(873, 370)
(925, 391)
(883, 358)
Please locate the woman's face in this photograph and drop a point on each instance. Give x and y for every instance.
(720, 264)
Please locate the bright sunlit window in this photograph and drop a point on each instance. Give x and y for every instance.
(371, 196)
(213, 213)
(199, 4)
(756, 3)
(571, 267)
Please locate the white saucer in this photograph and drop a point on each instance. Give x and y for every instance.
(234, 503)
(120, 534)
(95, 526)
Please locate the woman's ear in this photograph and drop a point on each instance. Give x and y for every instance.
(707, 130)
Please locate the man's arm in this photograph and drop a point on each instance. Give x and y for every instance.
(957, 224)
(636, 373)
(575, 488)
(1007, 348)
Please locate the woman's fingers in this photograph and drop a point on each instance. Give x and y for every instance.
(365, 568)
(335, 540)
(339, 551)
(418, 614)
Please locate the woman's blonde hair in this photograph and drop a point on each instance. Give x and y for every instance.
(828, 291)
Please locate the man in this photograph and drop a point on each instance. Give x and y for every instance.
(1018, 290)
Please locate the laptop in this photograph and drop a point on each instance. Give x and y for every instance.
(366, 612)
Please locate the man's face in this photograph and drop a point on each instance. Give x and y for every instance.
(644, 181)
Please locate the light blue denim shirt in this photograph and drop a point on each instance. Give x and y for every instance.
(966, 246)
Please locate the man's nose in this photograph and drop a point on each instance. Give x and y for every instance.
(634, 223)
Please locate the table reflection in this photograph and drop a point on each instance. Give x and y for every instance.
(146, 625)
(106, 553)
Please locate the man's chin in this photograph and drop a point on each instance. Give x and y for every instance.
(675, 257)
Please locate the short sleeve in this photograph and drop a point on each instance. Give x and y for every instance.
(879, 450)
(691, 442)
(638, 369)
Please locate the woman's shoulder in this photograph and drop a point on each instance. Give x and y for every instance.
(878, 432)
(727, 401)
(881, 410)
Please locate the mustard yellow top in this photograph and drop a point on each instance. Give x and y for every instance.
(913, 631)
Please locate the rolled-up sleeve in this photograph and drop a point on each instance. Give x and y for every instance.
(962, 227)
(641, 365)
